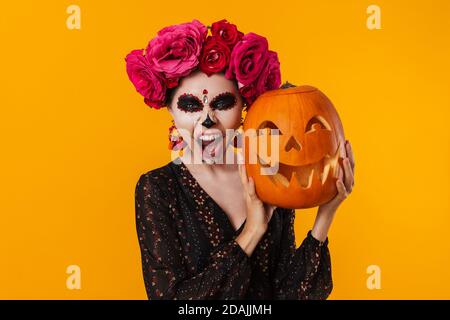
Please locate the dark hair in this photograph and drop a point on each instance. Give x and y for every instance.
(169, 97)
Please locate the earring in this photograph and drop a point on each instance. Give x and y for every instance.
(175, 139)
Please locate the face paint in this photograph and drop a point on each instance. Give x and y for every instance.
(223, 101)
(189, 103)
(205, 97)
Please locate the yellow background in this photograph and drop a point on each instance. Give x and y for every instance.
(75, 137)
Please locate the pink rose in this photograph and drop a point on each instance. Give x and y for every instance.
(248, 58)
(174, 52)
(270, 77)
(215, 55)
(226, 31)
(146, 81)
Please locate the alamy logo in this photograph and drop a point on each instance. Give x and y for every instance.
(73, 21)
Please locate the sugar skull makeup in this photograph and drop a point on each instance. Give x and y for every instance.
(188, 102)
(204, 108)
(223, 101)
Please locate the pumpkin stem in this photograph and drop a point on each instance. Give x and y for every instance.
(287, 85)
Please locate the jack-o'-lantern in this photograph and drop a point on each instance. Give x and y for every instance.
(310, 150)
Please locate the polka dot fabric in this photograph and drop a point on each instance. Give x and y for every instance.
(188, 247)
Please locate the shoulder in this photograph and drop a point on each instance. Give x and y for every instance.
(156, 181)
(158, 174)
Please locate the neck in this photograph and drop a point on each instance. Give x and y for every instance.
(212, 168)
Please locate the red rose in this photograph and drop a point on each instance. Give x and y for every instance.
(227, 32)
(172, 82)
(215, 55)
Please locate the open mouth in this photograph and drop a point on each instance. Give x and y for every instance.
(209, 143)
(306, 173)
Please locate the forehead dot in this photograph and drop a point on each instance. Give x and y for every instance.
(205, 91)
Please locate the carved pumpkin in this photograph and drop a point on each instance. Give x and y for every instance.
(311, 146)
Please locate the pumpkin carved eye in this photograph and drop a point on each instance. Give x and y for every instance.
(317, 123)
(266, 126)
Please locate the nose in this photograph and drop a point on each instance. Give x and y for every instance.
(208, 123)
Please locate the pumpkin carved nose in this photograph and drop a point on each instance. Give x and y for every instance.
(292, 143)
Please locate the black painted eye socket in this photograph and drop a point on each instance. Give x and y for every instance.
(189, 103)
(223, 101)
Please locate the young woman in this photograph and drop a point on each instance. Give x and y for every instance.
(203, 231)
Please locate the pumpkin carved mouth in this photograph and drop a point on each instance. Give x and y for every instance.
(304, 174)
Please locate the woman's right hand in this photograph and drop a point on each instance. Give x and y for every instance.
(258, 212)
(258, 215)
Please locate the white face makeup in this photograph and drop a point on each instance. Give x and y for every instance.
(204, 108)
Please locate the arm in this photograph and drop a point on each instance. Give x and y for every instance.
(303, 272)
(322, 223)
(344, 185)
(258, 213)
(226, 276)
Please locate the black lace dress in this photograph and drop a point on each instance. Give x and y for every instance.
(188, 247)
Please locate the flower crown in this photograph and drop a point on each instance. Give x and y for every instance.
(178, 50)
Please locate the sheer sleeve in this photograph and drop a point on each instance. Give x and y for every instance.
(226, 275)
(303, 272)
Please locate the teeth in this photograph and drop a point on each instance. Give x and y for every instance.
(209, 137)
(311, 174)
(333, 162)
(280, 179)
(328, 165)
(324, 175)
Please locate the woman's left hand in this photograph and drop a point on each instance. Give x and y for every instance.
(345, 184)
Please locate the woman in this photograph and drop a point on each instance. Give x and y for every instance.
(203, 231)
